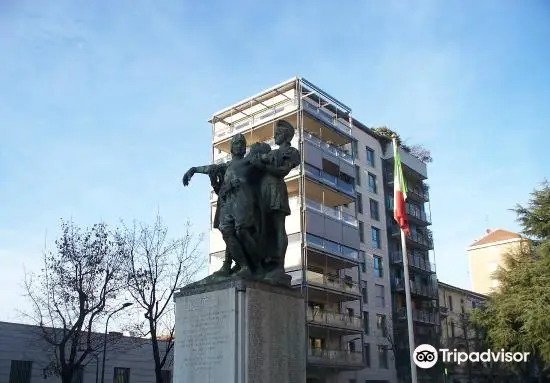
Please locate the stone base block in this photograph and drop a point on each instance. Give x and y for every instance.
(239, 332)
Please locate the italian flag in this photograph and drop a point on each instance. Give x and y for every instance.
(399, 191)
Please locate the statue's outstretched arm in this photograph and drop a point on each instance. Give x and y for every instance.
(206, 169)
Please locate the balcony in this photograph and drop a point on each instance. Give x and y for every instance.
(335, 213)
(419, 193)
(328, 148)
(335, 358)
(417, 216)
(267, 115)
(421, 316)
(330, 180)
(419, 289)
(334, 319)
(225, 157)
(326, 287)
(418, 239)
(415, 260)
(327, 117)
(332, 247)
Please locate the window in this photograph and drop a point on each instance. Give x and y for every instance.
(354, 149)
(366, 326)
(20, 371)
(351, 312)
(353, 381)
(166, 376)
(375, 237)
(372, 183)
(364, 293)
(357, 175)
(450, 303)
(366, 347)
(370, 157)
(363, 261)
(380, 296)
(361, 232)
(351, 346)
(374, 211)
(452, 329)
(359, 203)
(121, 375)
(381, 324)
(316, 343)
(382, 356)
(378, 267)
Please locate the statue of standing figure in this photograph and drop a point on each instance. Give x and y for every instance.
(252, 206)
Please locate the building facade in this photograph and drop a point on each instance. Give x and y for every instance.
(338, 252)
(486, 254)
(457, 332)
(25, 357)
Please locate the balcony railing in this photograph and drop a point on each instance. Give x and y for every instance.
(334, 319)
(419, 193)
(330, 180)
(326, 147)
(332, 247)
(271, 142)
(417, 213)
(332, 282)
(326, 116)
(420, 316)
(247, 123)
(423, 239)
(335, 213)
(416, 288)
(338, 357)
(414, 260)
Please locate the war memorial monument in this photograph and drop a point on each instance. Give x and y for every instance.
(244, 323)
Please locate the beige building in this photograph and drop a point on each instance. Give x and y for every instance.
(485, 255)
(457, 332)
(338, 252)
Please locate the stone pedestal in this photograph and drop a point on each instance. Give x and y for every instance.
(239, 332)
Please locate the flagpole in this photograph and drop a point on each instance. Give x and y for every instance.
(414, 379)
(401, 187)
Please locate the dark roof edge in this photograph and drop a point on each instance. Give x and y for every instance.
(468, 292)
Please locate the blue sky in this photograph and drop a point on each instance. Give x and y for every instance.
(104, 105)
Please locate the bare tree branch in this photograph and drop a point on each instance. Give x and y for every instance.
(156, 266)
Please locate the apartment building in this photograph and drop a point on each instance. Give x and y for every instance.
(25, 357)
(338, 237)
(457, 331)
(486, 254)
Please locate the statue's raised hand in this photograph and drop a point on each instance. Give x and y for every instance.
(187, 176)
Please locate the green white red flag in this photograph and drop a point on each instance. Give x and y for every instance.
(399, 192)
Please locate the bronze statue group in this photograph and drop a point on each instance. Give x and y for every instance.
(252, 206)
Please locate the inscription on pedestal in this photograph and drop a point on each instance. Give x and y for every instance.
(205, 337)
(275, 337)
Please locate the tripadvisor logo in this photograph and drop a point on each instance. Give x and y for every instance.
(426, 356)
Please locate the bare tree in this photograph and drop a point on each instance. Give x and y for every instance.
(155, 268)
(76, 288)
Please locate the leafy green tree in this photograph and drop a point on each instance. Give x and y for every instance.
(517, 316)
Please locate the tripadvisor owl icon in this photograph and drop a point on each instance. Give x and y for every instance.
(425, 356)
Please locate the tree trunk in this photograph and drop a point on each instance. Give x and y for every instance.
(156, 352)
(67, 375)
